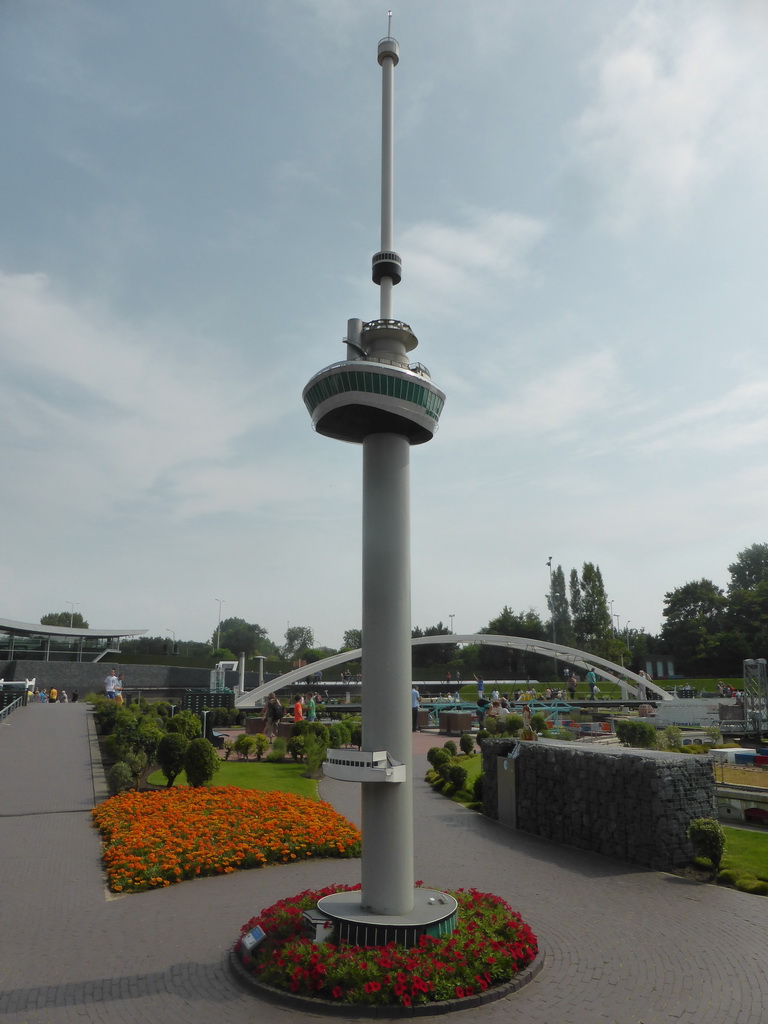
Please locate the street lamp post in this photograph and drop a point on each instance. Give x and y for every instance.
(452, 616)
(71, 611)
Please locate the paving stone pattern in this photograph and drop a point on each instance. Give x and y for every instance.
(624, 945)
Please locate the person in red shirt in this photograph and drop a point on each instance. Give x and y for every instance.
(298, 711)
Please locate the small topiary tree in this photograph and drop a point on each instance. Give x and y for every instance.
(451, 747)
(708, 839)
(137, 763)
(201, 762)
(119, 777)
(438, 756)
(170, 755)
(296, 747)
(229, 749)
(467, 744)
(457, 776)
(337, 735)
(538, 723)
(477, 788)
(262, 745)
(245, 746)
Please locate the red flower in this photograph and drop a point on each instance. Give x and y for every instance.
(337, 992)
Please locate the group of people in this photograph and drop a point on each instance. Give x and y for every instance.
(53, 696)
(304, 709)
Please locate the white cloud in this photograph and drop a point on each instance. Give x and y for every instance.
(458, 263)
(681, 95)
(129, 412)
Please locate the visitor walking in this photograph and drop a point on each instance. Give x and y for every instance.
(415, 701)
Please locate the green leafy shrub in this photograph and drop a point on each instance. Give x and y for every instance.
(170, 755)
(752, 885)
(137, 762)
(482, 734)
(513, 724)
(314, 754)
(713, 734)
(338, 736)
(636, 734)
(708, 839)
(187, 723)
(262, 745)
(467, 743)
(672, 736)
(320, 730)
(119, 777)
(356, 738)
(477, 787)
(457, 776)
(277, 753)
(437, 756)
(245, 746)
(229, 749)
(727, 876)
(201, 762)
(538, 723)
(451, 747)
(296, 747)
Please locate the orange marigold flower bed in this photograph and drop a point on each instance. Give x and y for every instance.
(154, 839)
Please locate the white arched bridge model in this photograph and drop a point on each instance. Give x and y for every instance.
(609, 670)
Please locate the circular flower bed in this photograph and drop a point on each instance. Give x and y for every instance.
(489, 947)
(154, 839)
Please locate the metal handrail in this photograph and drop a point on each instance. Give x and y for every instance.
(12, 707)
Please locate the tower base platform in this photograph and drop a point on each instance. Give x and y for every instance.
(434, 913)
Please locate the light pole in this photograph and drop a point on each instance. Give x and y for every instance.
(218, 628)
(72, 611)
(452, 616)
(169, 630)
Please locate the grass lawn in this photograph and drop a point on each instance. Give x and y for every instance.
(263, 775)
(746, 853)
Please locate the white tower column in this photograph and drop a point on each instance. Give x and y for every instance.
(387, 862)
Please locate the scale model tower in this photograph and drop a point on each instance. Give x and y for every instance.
(379, 399)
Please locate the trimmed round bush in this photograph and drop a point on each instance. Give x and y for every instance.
(201, 762)
(451, 747)
(467, 744)
(119, 777)
(708, 839)
(457, 776)
(438, 756)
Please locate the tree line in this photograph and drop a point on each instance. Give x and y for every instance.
(708, 630)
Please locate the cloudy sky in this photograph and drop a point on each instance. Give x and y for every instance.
(190, 201)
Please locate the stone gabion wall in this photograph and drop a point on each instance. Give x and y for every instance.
(634, 805)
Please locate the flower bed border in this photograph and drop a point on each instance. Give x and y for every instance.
(330, 1008)
(282, 922)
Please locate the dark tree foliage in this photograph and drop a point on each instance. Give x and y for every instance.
(240, 636)
(73, 619)
(438, 655)
(170, 755)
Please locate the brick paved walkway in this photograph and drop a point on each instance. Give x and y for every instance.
(624, 945)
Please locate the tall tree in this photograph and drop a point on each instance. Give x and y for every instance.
(297, 640)
(695, 623)
(559, 610)
(239, 636)
(574, 586)
(74, 619)
(353, 639)
(432, 654)
(595, 621)
(750, 568)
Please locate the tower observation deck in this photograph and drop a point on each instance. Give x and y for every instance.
(376, 389)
